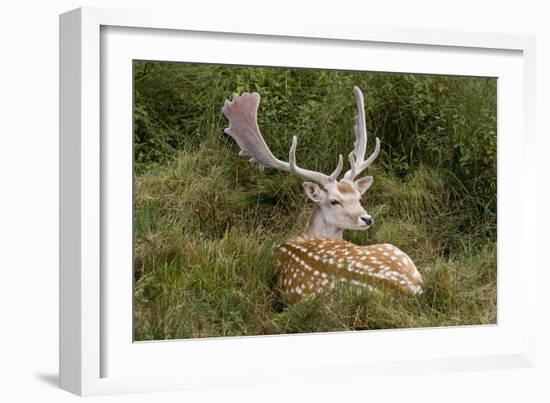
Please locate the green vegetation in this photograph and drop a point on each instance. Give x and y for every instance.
(206, 221)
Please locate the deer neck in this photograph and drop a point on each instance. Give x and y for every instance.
(318, 228)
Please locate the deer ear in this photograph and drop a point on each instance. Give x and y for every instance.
(363, 184)
(313, 191)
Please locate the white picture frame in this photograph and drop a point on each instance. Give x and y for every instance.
(97, 354)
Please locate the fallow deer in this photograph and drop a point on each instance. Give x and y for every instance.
(316, 259)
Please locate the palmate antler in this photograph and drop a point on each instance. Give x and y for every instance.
(241, 112)
(357, 156)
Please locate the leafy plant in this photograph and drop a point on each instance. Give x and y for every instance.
(206, 221)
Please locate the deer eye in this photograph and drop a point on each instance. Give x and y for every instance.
(335, 203)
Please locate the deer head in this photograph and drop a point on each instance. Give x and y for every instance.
(338, 201)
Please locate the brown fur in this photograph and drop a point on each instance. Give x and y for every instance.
(315, 266)
(346, 188)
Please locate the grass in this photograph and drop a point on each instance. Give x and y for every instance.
(203, 256)
(206, 221)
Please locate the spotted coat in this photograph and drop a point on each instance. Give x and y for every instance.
(317, 266)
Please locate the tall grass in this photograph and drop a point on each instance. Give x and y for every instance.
(206, 221)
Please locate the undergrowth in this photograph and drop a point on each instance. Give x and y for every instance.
(206, 221)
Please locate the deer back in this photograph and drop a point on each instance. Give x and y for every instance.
(317, 266)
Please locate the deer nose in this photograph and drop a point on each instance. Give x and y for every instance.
(367, 220)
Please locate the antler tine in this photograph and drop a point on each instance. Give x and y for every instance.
(373, 156)
(360, 126)
(292, 154)
(357, 156)
(351, 173)
(334, 175)
(241, 112)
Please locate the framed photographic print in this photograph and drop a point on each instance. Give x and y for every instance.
(240, 202)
